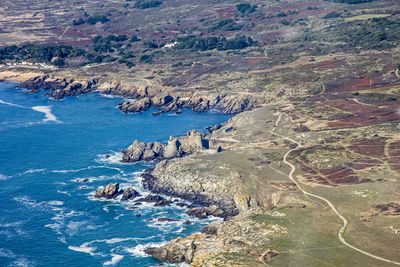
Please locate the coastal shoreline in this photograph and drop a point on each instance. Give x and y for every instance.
(206, 206)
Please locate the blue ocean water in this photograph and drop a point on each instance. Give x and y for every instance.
(52, 161)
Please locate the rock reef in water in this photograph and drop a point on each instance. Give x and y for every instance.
(111, 191)
(190, 143)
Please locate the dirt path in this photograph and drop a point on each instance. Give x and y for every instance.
(345, 222)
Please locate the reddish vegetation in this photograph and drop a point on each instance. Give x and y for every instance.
(395, 163)
(351, 84)
(373, 148)
(394, 149)
(256, 61)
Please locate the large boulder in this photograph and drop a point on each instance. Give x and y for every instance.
(111, 191)
(129, 193)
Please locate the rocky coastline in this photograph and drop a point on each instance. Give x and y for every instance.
(141, 98)
(209, 194)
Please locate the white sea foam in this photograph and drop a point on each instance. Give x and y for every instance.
(84, 248)
(113, 158)
(110, 96)
(33, 171)
(88, 168)
(138, 250)
(6, 253)
(10, 104)
(3, 177)
(115, 259)
(63, 192)
(28, 202)
(74, 227)
(56, 227)
(119, 216)
(22, 262)
(56, 203)
(47, 111)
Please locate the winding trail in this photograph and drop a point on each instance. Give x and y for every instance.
(345, 222)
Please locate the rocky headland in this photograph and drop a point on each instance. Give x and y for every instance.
(192, 142)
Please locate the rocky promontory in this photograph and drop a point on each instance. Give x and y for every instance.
(200, 102)
(241, 235)
(59, 87)
(190, 143)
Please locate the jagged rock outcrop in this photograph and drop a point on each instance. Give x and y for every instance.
(177, 251)
(242, 233)
(140, 151)
(60, 87)
(111, 191)
(145, 97)
(200, 102)
(135, 105)
(204, 212)
(191, 142)
(129, 193)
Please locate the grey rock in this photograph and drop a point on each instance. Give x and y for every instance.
(138, 105)
(130, 193)
(134, 152)
(111, 191)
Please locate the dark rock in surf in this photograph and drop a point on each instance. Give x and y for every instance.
(111, 191)
(129, 193)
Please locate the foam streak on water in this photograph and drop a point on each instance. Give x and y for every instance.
(47, 111)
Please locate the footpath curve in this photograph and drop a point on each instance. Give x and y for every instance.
(333, 208)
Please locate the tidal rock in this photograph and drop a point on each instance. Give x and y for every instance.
(130, 193)
(167, 220)
(139, 105)
(111, 191)
(163, 202)
(152, 198)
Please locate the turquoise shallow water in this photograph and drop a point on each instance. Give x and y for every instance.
(48, 215)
